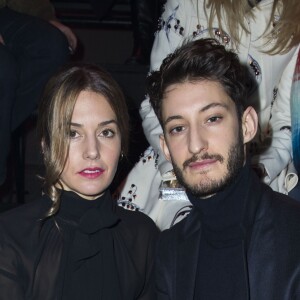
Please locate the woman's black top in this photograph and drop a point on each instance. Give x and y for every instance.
(88, 250)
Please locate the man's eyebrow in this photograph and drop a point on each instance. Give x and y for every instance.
(205, 108)
(177, 117)
(99, 125)
(214, 104)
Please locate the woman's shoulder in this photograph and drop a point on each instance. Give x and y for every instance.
(27, 209)
(136, 220)
(25, 216)
(139, 233)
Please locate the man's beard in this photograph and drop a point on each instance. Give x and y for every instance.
(209, 187)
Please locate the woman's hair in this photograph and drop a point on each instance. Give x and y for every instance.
(285, 26)
(198, 60)
(55, 114)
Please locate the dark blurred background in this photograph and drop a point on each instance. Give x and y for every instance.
(117, 35)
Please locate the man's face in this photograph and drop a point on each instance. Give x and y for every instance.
(202, 136)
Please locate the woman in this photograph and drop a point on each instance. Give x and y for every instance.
(265, 34)
(74, 242)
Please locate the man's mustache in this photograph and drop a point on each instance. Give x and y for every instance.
(195, 158)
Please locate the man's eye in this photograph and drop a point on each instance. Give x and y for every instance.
(214, 119)
(107, 133)
(176, 129)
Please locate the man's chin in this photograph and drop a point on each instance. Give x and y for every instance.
(206, 188)
(203, 192)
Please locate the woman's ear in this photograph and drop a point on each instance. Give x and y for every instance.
(164, 147)
(43, 146)
(249, 124)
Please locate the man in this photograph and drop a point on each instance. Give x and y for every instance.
(241, 239)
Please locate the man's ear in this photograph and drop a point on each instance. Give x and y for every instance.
(249, 124)
(164, 147)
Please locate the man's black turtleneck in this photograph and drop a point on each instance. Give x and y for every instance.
(238, 244)
(221, 272)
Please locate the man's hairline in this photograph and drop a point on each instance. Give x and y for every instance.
(195, 80)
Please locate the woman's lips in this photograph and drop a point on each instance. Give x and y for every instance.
(91, 173)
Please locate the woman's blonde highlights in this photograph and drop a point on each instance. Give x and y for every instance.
(285, 30)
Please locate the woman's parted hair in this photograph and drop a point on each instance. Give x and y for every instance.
(203, 59)
(55, 114)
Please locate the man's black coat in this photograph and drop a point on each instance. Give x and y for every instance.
(272, 250)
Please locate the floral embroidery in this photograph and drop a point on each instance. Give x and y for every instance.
(126, 201)
(275, 92)
(149, 155)
(171, 22)
(254, 66)
(219, 35)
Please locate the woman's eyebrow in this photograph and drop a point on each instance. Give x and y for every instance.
(76, 124)
(107, 122)
(104, 123)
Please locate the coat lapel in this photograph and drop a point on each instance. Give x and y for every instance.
(187, 258)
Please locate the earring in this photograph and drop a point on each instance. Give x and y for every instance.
(122, 155)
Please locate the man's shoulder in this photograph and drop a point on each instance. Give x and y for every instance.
(181, 230)
(281, 206)
(278, 218)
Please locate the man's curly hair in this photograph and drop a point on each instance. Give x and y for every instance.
(203, 59)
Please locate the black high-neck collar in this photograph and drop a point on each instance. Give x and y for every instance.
(74, 206)
(88, 228)
(90, 215)
(225, 210)
(223, 247)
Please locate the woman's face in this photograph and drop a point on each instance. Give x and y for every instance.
(95, 146)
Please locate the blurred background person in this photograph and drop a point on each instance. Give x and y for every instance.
(295, 110)
(144, 15)
(33, 44)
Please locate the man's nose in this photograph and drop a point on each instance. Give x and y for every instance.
(197, 140)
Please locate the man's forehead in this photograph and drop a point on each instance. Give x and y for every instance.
(206, 92)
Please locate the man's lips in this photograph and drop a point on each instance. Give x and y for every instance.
(91, 173)
(202, 163)
(206, 160)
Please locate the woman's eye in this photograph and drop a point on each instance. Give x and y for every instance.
(73, 134)
(107, 133)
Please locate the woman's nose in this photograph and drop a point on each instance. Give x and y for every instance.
(92, 148)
